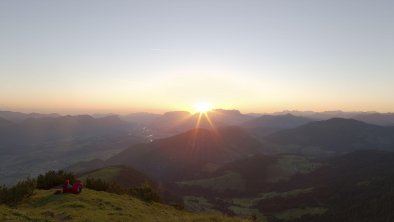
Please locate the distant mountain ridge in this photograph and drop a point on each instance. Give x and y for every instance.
(377, 118)
(286, 121)
(172, 123)
(337, 134)
(141, 117)
(18, 116)
(383, 119)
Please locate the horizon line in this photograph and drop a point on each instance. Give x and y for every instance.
(76, 113)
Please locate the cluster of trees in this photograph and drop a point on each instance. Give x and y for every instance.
(53, 178)
(25, 188)
(144, 192)
(15, 194)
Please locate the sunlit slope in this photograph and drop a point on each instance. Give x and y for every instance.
(97, 206)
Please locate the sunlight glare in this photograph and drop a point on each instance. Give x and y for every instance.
(203, 107)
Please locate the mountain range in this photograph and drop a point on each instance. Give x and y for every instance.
(18, 116)
(336, 135)
(271, 167)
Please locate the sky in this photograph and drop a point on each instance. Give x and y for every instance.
(255, 56)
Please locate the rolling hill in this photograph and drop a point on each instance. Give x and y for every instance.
(124, 176)
(186, 154)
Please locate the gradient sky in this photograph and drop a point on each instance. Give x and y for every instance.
(256, 56)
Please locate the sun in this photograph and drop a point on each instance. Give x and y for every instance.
(202, 107)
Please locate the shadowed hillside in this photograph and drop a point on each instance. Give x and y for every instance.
(124, 176)
(187, 153)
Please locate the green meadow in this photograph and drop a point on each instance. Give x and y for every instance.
(94, 206)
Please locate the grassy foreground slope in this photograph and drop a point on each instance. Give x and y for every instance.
(97, 206)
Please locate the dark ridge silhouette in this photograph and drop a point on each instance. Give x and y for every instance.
(286, 121)
(19, 117)
(383, 119)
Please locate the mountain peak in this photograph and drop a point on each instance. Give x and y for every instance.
(342, 121)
